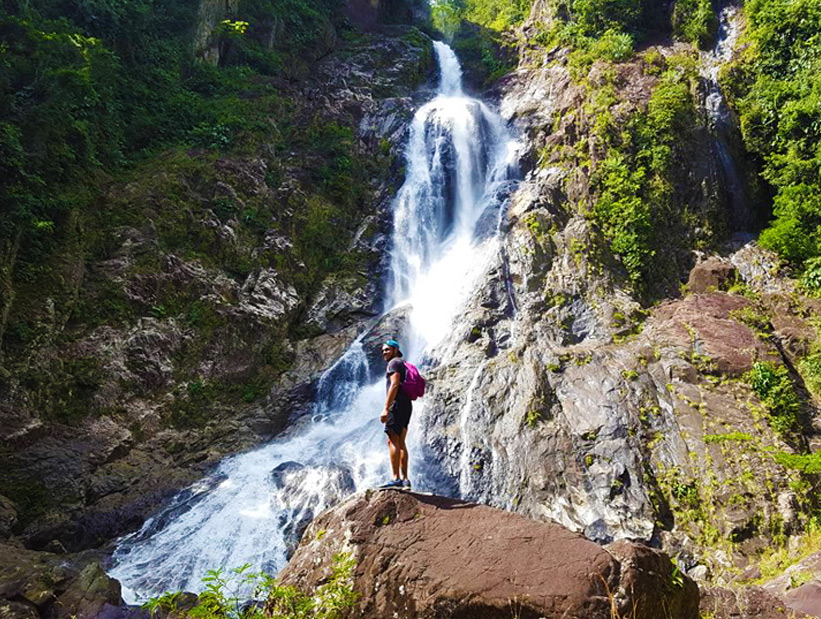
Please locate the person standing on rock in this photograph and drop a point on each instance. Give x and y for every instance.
(396, 415)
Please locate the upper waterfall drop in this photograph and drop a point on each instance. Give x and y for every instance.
(252, 508)
(450, 71)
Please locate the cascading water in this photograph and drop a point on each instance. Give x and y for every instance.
(721, 121)
(254, 506)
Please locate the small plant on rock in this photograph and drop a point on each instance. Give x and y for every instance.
(241, 593)
(774, 387)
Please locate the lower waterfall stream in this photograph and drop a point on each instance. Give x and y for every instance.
(461, 166)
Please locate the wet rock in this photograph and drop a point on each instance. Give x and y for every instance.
(428, 556)
(17, 610)
(89, 592)
(41, 584)
(759, 268)
(8, 517)
(147, 351)
(281, 472)
(303, 492)
(711, 275)
(393, 325)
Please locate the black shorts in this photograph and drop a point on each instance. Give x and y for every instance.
(399, 416)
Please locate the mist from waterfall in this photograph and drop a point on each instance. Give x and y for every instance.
(460, 162)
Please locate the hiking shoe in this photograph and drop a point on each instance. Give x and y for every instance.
(394, 483)
(406, 485)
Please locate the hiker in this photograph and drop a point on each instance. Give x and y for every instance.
(396, 415)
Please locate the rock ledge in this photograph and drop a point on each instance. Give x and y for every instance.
(428, 556)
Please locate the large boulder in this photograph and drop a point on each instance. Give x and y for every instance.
(712, 274)
(428, 556)
(39, 584)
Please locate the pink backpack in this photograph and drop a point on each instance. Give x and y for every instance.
(414, 384)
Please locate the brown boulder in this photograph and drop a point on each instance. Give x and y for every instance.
(705, 323)
(425, 556)
(711, 275)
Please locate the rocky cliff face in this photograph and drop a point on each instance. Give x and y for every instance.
(561, 395)
(196, 323)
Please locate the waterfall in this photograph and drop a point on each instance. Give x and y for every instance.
(721, 122)
(253, 507)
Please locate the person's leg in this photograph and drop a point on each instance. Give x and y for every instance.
(403, 454)
(395, 445)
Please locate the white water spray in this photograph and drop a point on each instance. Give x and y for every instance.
(712, 61)
(255, 505)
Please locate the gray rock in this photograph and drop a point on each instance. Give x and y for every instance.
(8, 517)
(342, 301)
(17, 610)
(264, 296)
(392, 325)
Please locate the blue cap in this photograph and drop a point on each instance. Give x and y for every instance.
(394, 344)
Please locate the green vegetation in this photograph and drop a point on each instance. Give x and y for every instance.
(773, 561)
(226, 595)
(695, 21)
(533, 417)
(811, 278)
(774, 387)
(497, 15)
(730, 436)
(809, 464)
(111, 122)
(635, 151)
(88, 86)
(810, 369)
(635, 182)
(775, 87)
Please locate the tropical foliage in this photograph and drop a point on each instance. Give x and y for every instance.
(775, 86)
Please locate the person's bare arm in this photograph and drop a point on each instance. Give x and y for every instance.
(392, 391)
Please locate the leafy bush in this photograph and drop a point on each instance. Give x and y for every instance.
(612, 46)
(774, 387)
(241, 593)
(810, 368)
(775, 87)
(599, 16)
(811, 278)
(695, 21)
(498, 15)
(635, 206)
